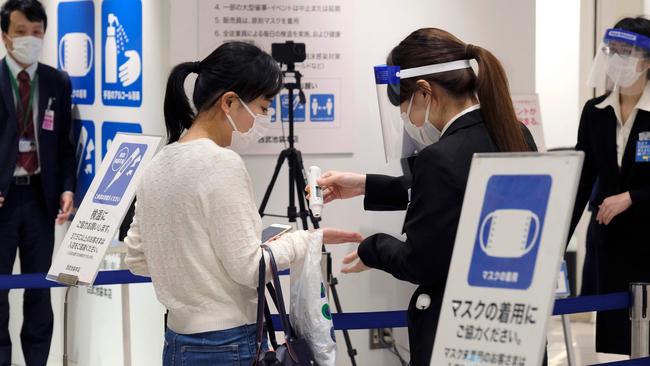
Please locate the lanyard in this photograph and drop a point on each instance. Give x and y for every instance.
(32, 89)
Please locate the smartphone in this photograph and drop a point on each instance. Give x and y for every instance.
(275, 230)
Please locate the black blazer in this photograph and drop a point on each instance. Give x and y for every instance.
(623, 250)
(56, 153)
(597, 138)
(438, 185)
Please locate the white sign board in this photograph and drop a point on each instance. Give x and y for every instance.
(503, 274)
(322, 124)
(528, 112)
(102, 210)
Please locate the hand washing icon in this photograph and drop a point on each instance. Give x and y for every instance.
(509, 233)
(116, 42)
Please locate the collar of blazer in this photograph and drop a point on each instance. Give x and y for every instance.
(468, 119)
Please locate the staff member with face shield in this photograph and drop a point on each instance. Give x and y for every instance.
(196, 229)
(429, 90)
(614, 134)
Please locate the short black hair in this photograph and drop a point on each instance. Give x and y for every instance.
(638, 25)
(33, 10)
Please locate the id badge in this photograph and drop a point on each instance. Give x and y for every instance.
(48, 120)
(26, 145)
(643, 148)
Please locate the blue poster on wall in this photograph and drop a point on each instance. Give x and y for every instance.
(298, 109)
(321, 107)
(119, 174)
(273, 109)
(76, 52)
(110, 129)
(84, 135)
(122, 65)
(509, 231)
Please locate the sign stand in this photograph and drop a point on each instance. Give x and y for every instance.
(563, 292)
(511, 234)
(66, 279)
(99, 216)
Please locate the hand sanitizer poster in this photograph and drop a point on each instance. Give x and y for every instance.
(122, 58)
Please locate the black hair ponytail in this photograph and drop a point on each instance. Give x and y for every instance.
(234, 66)
(178, 112)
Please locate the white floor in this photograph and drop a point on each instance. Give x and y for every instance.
(583, 329)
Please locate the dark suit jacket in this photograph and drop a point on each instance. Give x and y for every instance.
(56, 154)
(438, 185)
(624, 250)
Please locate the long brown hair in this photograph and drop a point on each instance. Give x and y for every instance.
(432, 46)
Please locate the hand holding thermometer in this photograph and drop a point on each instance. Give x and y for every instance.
(316, 199)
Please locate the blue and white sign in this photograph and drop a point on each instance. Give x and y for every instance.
(76, 47)
(508, 232)
(298, 109)
(643, 148)
(84, 134)
(122, 65)
(102, 210)
(321, 108)
(503, 276)
(121, 170)
(110, 129)
(273, 109)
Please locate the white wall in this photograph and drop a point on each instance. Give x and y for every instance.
(557, 76)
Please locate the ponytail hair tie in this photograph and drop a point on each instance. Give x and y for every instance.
(470, 51)
(196, 67)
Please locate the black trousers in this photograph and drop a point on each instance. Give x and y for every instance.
(26, 228)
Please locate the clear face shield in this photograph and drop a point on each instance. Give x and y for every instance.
(620, 62)
(394, 108)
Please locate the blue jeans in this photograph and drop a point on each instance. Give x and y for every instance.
(229, 347)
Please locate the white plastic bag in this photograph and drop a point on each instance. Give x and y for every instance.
(310, 312)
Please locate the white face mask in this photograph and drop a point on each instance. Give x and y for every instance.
(424, 135)
(27, 49)
(258, 130)
(623, 70)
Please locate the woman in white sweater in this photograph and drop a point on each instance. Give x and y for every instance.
(196, 230)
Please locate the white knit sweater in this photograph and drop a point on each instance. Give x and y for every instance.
(197, 233)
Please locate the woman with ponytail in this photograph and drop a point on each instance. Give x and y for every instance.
(196, 230)
(443, 100)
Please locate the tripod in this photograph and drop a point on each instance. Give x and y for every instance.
(297, 188)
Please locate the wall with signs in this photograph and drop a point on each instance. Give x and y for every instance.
(103, 45)
(326, 28)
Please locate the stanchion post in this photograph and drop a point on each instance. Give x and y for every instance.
(65, 327)
(640, 319)
(326, 268)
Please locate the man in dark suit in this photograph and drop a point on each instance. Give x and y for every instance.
(36, 169)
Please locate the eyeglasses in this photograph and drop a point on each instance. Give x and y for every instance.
(623, 50)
